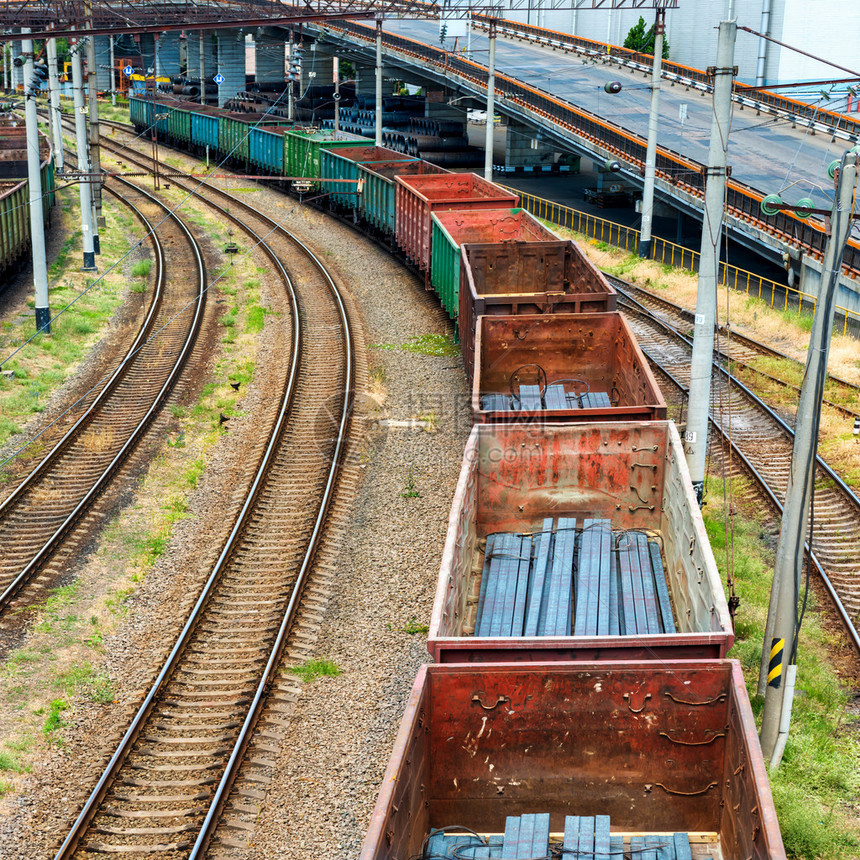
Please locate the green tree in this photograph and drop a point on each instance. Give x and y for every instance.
(642, 40)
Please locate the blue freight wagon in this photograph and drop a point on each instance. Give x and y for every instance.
(266, 148)
(204, 131)
(142, 113)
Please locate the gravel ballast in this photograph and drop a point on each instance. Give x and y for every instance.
(342, 728)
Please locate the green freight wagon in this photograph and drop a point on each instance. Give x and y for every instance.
(234, 130)
(302, 150)
(454, 227)
(179, 124)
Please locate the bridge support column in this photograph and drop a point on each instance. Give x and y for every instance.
(317, 68)
(435, 107)
(103, 76)
(167, 61)
(147, 52)
(270, 56)
(525, 153)
(231, 64)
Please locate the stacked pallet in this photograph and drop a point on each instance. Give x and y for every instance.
(566, 581)
(528, 399)
(527, 837)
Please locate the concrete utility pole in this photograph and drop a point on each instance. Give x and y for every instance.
(112, 73)
(651, 150)
(34, 179)
(84, 184)
(336, 69)
(202, 71)
(54, 105)
(95, 149)
(290, 76)
(779, 666)
(491, 104)
(378, 116)
(696, 437)
(5, 68)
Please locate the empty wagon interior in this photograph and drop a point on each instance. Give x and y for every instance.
(575, 360)
(616, 503)
(516, 268)
(659, 749)
(492, 225)
(439, 188)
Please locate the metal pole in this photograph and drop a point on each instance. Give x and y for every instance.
(781, 647)
(95, 149)
(83, 159)
(651, 150)
(491, 104)
(202, 72)
(378, 115)
(696, 437)
(290, 82)
(54, 105)
(112, 73)
(5, 68)
(336, 70)
(34, 180)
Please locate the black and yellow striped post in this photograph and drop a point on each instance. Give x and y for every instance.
(774, 669)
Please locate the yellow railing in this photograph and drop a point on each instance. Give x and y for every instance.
(670, 254)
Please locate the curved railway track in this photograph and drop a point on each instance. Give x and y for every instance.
(743, 350)
(166, 784)
(112, 418)
(761, 445)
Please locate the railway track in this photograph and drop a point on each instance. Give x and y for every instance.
(744, 350)
(761, 446)
(107, 424)
(167, 782)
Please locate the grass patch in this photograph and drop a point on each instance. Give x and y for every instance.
(310, 670)
(819, 778)
(425, 344)
(47, 361)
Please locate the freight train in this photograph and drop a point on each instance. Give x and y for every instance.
(14, 194)
(581, 704)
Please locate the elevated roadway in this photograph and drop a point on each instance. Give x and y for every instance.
(560, 95)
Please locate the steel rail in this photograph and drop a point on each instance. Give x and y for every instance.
(38, 559)
(844, 617)
(237, 753)
(750, 342)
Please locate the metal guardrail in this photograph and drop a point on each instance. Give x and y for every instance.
(742, 201)
(778, 296)
(797, 109)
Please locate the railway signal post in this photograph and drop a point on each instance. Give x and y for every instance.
(95, 148)
(779, 660)
(696, 436)
(34, 183)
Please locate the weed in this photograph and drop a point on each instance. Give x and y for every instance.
(54, 721)
(310, 670)
(412, 627)
(410, 491)
(178, 411)
(425, 344)
(255, 319)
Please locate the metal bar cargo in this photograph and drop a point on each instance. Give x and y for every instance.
(663, 754)
(577, 542)
(562, 367)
